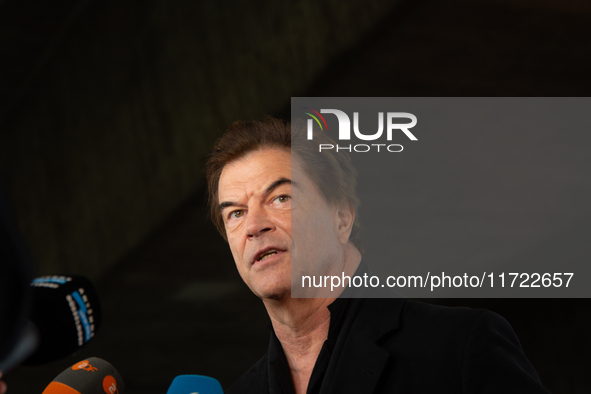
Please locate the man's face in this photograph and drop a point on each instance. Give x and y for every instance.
(255, 197)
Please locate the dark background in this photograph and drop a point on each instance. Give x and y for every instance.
(108, 110)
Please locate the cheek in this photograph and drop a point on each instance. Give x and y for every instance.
(311, 231)
(316, 242)
(284, 222)
(237, 250)
(314, 222)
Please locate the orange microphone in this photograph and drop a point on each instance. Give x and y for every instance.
(91, 376)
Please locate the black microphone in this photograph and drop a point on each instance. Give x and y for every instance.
(16, 271)
(23, 345)
(91, 376)
(64, 315)
(67, 313)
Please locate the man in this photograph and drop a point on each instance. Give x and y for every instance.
(339, 344)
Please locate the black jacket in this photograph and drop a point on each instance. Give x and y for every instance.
(402, 346)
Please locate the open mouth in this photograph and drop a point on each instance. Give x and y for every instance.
(267, 254)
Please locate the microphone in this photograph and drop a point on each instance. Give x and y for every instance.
(16, 271)
(195, 384)
(26, 342)
(91, 376)
(65, 314)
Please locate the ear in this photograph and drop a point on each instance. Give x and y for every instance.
(345, 220)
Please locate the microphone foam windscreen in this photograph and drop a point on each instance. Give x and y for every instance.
(191, 384)
(67, 313)
(91, 376)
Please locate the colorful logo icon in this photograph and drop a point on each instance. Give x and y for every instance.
(316, 118)
(85, 365)
(110, 385)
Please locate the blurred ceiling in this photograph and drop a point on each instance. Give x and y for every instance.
(29, 31)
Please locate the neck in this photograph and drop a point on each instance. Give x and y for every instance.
(297, 317)
(301, 325)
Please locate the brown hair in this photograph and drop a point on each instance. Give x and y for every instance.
(332, 172)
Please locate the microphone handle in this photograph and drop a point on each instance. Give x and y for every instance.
(25, 345)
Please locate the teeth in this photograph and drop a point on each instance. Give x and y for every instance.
(267, 255)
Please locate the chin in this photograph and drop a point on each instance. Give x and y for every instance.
(274, 292)
(272, 285)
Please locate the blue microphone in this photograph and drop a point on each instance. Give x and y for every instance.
(195, 384)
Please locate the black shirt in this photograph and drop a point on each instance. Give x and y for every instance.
(280, 376)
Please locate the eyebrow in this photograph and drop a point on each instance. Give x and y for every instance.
(272, 186)
(278, 183)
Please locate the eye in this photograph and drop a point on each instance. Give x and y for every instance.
(281, 199)
(236, 214)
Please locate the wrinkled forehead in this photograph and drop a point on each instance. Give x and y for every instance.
(254, 169)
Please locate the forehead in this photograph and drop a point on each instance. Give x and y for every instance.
(255, 169)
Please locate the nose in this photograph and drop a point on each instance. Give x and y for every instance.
(258, 222)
